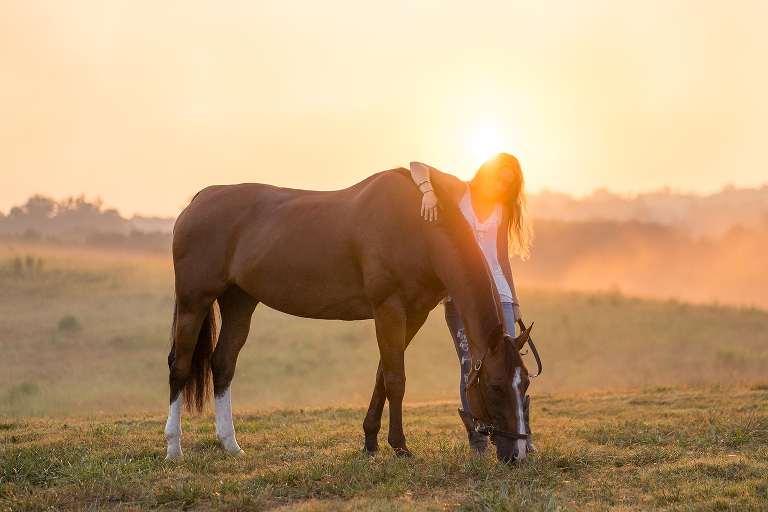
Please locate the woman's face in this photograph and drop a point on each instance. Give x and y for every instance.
(500, 182)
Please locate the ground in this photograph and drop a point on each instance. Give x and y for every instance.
(663, 448)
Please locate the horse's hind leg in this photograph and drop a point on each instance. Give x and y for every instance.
(236, 308)
(186, 332)
(372, 422)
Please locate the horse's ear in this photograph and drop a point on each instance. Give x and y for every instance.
(521, 340)
(497, 335)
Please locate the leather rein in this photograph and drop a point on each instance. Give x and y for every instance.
(487, 429)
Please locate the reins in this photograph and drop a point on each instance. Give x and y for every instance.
(487, 429)
(533, 349)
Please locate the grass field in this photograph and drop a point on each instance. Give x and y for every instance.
(642, 405)
(87, 332)
(660, 448)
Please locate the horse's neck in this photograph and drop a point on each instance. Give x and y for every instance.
(460, 265)
(470, 287)
(478, 323)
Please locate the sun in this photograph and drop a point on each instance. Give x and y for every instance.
(487, 142)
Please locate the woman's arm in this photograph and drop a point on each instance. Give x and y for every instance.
(422, 175)
(502, 254)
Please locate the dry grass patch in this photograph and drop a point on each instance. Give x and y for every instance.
(673, 448)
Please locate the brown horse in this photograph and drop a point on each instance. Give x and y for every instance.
(358, 253)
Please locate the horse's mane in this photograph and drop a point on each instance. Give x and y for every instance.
(453, 223)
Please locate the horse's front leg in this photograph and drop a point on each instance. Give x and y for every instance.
(372, 422)
(390, 333)
(393, 333)
(394, 383)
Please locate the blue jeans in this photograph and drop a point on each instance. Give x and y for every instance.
(455, 325)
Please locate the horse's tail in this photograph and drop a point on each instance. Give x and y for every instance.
(196, 389)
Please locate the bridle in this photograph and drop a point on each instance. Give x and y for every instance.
(487, 429)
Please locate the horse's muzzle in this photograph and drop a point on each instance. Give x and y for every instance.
(511, 451)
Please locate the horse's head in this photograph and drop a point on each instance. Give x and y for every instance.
(495, 391)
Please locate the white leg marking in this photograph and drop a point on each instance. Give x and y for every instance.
(173, 430)
(225, 428)
(521, 451)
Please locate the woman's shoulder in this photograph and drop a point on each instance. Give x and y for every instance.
(454, 185)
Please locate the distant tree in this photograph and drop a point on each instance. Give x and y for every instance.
(40, 207)
(16, 213)
(80, 207)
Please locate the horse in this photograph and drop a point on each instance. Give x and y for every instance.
(353, 254)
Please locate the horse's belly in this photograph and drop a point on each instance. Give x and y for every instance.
(308, 284)
(349, 309)
(318, 298)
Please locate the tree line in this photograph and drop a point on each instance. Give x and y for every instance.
(77, 221)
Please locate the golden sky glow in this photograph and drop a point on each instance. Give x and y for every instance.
(145, 102)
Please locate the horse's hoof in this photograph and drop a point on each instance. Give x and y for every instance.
(174, 456)
(403, 452)
(370, 452)
(239, 453)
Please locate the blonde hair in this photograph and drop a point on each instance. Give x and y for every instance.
(520, 229)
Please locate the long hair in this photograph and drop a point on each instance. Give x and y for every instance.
(520, 228)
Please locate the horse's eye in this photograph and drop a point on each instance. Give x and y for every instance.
(497, 389)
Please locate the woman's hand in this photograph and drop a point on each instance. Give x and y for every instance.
(518, 312)
(429, 205)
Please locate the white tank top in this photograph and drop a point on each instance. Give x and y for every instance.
(485, 235)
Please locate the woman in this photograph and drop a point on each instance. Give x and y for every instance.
(495, 206)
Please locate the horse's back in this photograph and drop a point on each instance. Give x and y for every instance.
(307, 253)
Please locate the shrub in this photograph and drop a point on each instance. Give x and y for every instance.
(69, 325)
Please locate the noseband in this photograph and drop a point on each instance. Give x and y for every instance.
(487, 429)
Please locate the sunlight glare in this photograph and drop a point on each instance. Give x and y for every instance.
(487, 142)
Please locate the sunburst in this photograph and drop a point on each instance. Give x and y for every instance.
(487, 142)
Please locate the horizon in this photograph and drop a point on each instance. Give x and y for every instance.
(144, 104)
(105, 205)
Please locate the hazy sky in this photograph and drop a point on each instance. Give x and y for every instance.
(143, 103)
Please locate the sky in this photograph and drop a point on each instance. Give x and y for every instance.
(143, 103)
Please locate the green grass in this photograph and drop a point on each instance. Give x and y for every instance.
(660, 448)
(87, 332)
